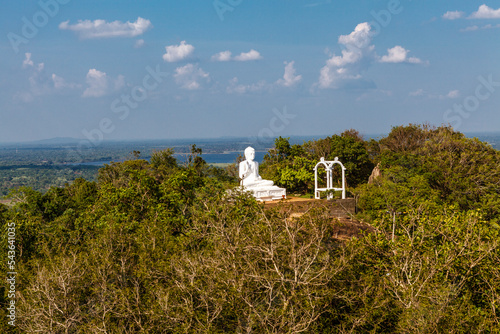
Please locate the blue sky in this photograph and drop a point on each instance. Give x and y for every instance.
(146, 69)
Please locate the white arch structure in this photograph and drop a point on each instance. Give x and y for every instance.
(329, 178)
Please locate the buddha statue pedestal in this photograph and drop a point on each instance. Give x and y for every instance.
(262, 190)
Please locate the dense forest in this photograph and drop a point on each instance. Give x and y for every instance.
(161, 247)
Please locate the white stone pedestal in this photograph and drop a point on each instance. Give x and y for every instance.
(270, 193)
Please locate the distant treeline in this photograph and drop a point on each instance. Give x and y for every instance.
(42, 177)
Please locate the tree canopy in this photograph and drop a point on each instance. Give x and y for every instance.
(162, 247)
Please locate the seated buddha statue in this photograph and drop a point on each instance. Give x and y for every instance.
(249, 171)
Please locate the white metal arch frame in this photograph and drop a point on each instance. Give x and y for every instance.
(329, 178)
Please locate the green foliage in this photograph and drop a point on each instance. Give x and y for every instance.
(163, 160)
(292, 166)
(351, 150)
(451, 169)
(156, 247)
(298, 175)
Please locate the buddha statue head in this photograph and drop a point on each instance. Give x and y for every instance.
(249, 153)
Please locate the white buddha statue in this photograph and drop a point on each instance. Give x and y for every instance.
(249, 171)
(252, 181)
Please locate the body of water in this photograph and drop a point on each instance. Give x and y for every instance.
(211, 158)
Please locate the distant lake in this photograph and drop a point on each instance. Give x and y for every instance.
(211, 158)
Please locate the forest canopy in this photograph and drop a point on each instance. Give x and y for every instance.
(162, 247)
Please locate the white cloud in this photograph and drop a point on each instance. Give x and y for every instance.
(485, 12)
(471, 28)
(244, 56)
(418, 92)
(398, 54)
(345, 67)
(289, 78)
(415, 60)
(60, 83)
(395, 55)
(360, 38)
(27, 61)
(99, 84)
(40, 83)
(452, 94)
(139, 43)
(189, 76)
(491, 26)
(453, 15)
(87, 29)
(247, 56)
(178, 52)
(235, 87)
(474, 27)
(345, 70)
(222, 56)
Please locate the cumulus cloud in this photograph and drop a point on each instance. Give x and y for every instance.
(485, 12)
(60, 83)
(418, 92)
(453, 15)
(236, 87)
(222, 56)
(247, 56)
(244, 56)
(452, 94)
(360, 38)
(27, 61)
(87, 29)
(289, 78)
(179, 52)
(100, 84)
(346, 66)
(189, 76)
(398, 54)
(344, 70)
(40, 83)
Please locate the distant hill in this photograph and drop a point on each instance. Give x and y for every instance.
(57, 141)
(259, 143)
